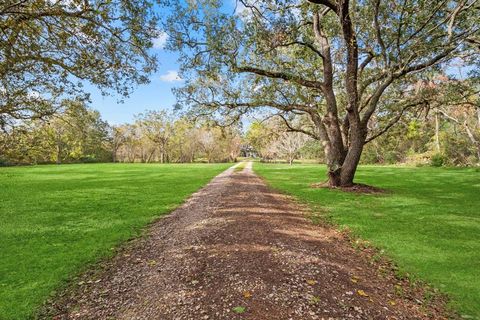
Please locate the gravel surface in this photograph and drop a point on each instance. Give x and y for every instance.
(239, 250)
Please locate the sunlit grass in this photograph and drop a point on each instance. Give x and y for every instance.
(55, 220)
(240, 166)
(428, 222)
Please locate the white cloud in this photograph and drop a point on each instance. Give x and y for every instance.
(171, 76)
(34, 95)
(66, 3)
(245, 13)
(160, 41)
(258, 87)
(239, 7)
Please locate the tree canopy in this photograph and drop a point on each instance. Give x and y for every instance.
(340, 63)
(50, 48)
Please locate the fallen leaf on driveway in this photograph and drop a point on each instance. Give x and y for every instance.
(152, 262)
(239, 309)
(314, 300)
(362, 293)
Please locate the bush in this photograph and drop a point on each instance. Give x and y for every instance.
(3, 162)
(437, 160)
(418, 159)
(89, 159)
(391, 157)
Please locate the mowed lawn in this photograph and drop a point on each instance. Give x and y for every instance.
(428, 223)
(55, 220)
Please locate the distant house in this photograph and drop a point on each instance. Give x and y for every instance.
(248, 151)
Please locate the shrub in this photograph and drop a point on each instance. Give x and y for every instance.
(4, 162)
(437, 160)
(89, 159)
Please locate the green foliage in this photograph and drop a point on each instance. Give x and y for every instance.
(89, 159)
(437, 160)
(260, 136)
(3, 162)
(395, 146)
(77, 134)
(413, 129)
(161, 137)
(56, 220)
(428, 221)
(49, 48)
(312, 150)
(351, 72)
(457, 148)
(240, 166)
(413, 140)
(239, 309)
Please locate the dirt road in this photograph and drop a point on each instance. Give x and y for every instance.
(239, 250)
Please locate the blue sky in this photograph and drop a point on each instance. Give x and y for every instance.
(154, 96)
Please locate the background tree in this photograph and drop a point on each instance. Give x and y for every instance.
(117, 134)
(76, 134)
(289, 144)
(158, 136)
(261, 135)
(184, 142)
(232, 142)
(271, 140)
(157, 128)
(458, 102)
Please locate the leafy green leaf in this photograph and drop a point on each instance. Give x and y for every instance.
(239, 309)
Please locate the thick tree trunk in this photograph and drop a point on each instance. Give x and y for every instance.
(343, 175)
(334, 165)
(334, 177)
(341, 166)
(349, 167)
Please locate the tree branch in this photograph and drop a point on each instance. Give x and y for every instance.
(280, 75)
(328, 3)
(393, 121)
(292, 129)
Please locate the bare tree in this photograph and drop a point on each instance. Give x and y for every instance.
(289, 144)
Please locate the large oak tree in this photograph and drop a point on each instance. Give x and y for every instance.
(342, 63)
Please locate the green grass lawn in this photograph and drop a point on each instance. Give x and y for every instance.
(55, 220)
(428, 223)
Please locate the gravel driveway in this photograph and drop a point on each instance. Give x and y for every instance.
(239, 250)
